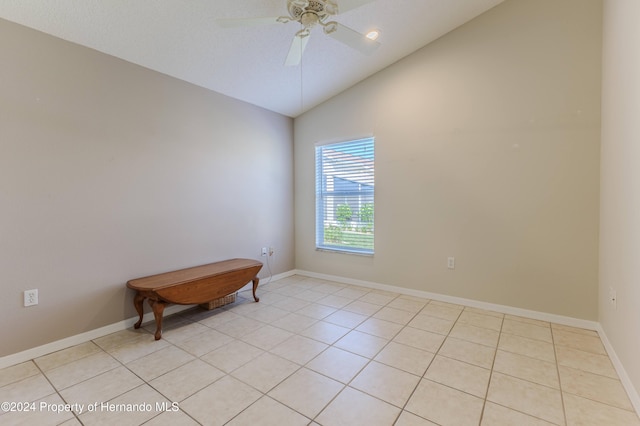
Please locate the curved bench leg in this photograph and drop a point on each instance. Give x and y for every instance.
(256, 280)
(138, 299)
(158, 309)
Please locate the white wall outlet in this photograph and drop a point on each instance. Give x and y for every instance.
(272, 251)
(31, 297)
(264, 251)
(451, 262)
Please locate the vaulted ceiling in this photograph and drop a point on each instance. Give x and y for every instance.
(183, 39)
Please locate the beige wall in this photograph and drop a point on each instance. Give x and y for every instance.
(620, 183)
(487, 149)
(109, 171)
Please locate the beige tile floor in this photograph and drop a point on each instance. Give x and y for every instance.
(314, 352)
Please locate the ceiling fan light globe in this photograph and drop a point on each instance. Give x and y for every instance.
(331, 7)
(330, 27)
(303, 33)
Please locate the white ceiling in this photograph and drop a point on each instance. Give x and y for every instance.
(180, 38)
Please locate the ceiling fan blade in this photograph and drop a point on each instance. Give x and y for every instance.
(296, 50)
(346, 5)
(248, 22)
(353, 39)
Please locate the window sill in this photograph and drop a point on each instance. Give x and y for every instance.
(343, 251)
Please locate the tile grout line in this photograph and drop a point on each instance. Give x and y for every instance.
(368, 363)
(493, 363)
(530, 381)
(75, 415)
(404, 407)
(58, 391)
(562, 392)
(300, 367)
(555, 355)
(346, 385)
(144, 382)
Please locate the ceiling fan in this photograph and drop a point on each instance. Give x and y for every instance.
(310, 13)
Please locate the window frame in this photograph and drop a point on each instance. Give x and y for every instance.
(322, 195)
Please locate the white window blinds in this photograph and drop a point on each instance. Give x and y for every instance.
(345, 196)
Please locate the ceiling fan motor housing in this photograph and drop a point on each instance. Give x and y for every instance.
(309, 12)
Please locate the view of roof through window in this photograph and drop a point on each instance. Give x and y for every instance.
(345, 196)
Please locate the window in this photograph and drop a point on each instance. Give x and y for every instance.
(344, 196)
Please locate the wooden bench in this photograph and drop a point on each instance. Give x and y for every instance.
(196, 285)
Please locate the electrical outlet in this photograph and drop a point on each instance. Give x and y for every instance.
(264, 251)
(451, 262)
(272, 251)
(31, 297)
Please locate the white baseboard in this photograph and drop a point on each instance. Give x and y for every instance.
(267, 280)
(634, 397)
(67, 342)
(48, 348)
(543, 316)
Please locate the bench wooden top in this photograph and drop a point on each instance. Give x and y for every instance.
(183, 276)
